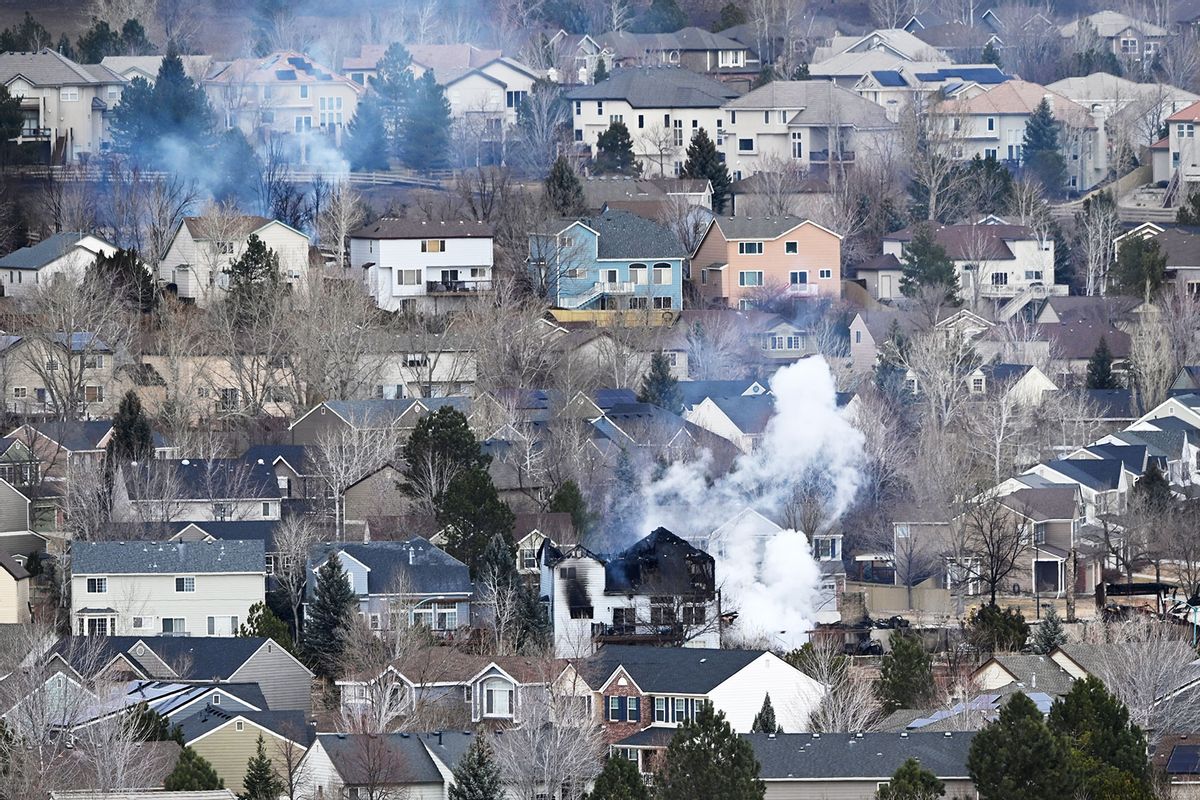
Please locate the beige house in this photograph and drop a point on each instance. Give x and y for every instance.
(805, 124)
(226, 739)
(1132, 40)
(14, 591)
(73, 374)
(285, 95)
(204, 248)
(743, 261)
(66, 107)
(165, 588)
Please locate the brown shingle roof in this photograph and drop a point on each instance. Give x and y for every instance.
(1022, 97)
(969, 242)
(246, 225)
(396, 228)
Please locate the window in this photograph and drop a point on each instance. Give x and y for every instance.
(637, 274)
(222, 626)
(221, 511)
(528, 558)
(303, 123)
(797, 145)
(1186, 131)
(903, 531)
(185, 584)
(69, 94)
(139, 623)
(216, 699)
(408, 277)
(750, 248)
(798, 277)
(433, 245)
(174, 625)
(93, 394)
(662, 611)
(641, 120)
(514, 99)
(266, 510)
(1033, 274)
(1129, 46)
(20, 392)
(566, 572)
(750, 279)
(634, 713)
(497, 698)
(96, 626)
(680, 709)
(97, 585)
(999, 279)
(660, 709)
(304, 95)
(93, 361)
(745, 145)
(791, 248)
(1039, 533)
(977, 385)
(991, 123)
(825, 273)
(600, 108)
(638, 304)
(662, 274)
(678, 129)
(51, 364)
(615, 118)
(614, 709)
(581, 612)
(662, 303)
(578, 107)
(694, 614)
(239, 725)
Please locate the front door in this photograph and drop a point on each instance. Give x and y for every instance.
(1045, 576)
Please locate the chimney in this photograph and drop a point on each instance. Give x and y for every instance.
(439, 735)
(411, 555)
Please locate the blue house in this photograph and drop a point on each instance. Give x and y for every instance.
(612, 261)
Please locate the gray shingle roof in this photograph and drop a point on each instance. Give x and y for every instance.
(261, 530)
(1038, 673)
(657, 87)
(816, 103)
(809, 756)
(657, 670)
(380, 413)
(631, 45)
(39, 255)
(1100, 475)
(192, 657)
(48, 67)
(751, 413)
(626, 235)
(288, 724)
(166, 558)
(431, 571)
(1044, 503)
(206, 479)
(404, 756)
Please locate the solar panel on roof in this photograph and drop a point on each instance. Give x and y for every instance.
(1185, 760)
(285, 74)
(889, 77)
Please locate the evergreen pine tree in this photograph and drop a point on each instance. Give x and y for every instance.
(624, 507)
(564, 189)
(132, 437)
(261, 781)
(133, 39)
(567, 499)
(263, 622)
(131, 281)
(994, 630)
(1141, 268)
(1099, 369)
(1049, 634)
(1017, 757)
(660, 387)
(990, 55)
(64, 47)
(329, 616)
(764, 720)
(707, 759)
(927, 273)
(253, 276)
(1153, 491)
(905, 675)
(477, 776)
(192, 773)
(619, 780)
(601, 72)
(442, 443)
(912, 782)
(1040, 151)
(474, 515)
(12, 119)
(1189, 212)
(426, 128)
(614, 152)
(233, 159)
(1108, 752)
(394, 89)
(704, 162)
(366, 143)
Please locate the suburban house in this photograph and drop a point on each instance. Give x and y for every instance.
(854, 766)
(692, 48)
(164, 588)
(915, 82)
(285, 96)
(960, 40)
(416, 766)
(994, 260)
(285, 683)
(661, 106)
(810, 125)
(362, 67)
(1103, 483)
(14, 591)
(333, 416)
(60, 257)
(612, 261)
(223, 736)
(743, 261)
(742, 419)
(1024, 671)
(485, 102)
(206, 531)
(403, 583)
(659, 590)
(203, 248)
(1180, 161)
(66, 108)
(992, 124)
(1131, 40)
(880, 275)
(1181, 246)
(848, 58)
(195, 67)
(218, 489)
(648, 197)
(59, 374)
(462, 687)
(642, 694)
(417, 266)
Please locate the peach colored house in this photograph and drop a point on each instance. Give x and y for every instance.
(742, 262)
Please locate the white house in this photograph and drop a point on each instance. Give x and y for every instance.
(415, 766)
(63, 256)
(164, 588)
(661, 106)
(661, 590)
(413, 265)
(217, 489)
(203, 248)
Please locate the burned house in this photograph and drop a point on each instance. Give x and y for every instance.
(659, 591)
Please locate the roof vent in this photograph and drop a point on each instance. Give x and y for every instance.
(947, 734)
(858, 735)
(770, 736)
(185, 462)
(903, 734)
(816, 736)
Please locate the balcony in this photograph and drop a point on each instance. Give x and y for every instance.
(457, 287)
(639, 633)
(801, 290)
(35, 134)
(822, 156)
(618, 287)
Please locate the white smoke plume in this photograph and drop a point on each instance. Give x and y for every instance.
(772, 583)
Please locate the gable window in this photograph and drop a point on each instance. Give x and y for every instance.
(239, 725)
(97, 585)
(185, 584)
(750, 248)
(528, 558)
(750, 279)
(497, 698)
(977, 385)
